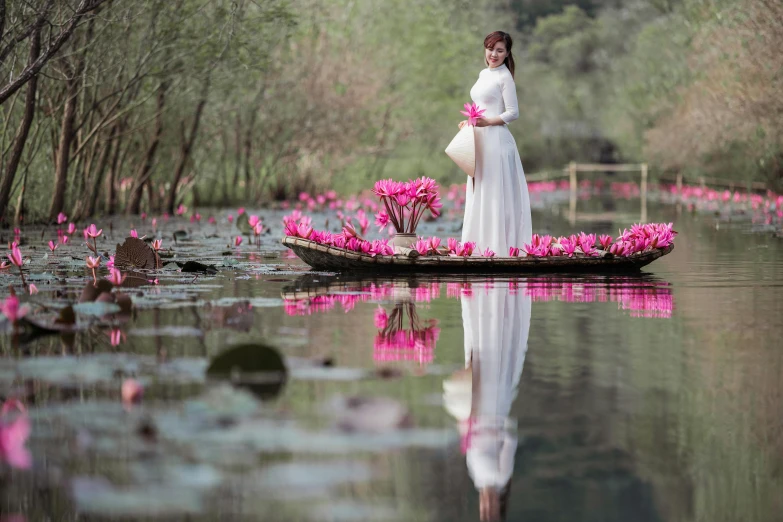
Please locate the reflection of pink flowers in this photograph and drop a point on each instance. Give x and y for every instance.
(396, 343)
(14, 435)
(381, 318)
(115, 277)
(115, 336)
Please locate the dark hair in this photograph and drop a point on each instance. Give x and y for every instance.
(492, 39)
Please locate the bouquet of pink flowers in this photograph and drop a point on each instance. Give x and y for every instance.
(406, 202)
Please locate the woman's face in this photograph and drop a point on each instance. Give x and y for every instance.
(496, 55)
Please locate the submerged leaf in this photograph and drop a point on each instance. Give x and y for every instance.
(256, 367)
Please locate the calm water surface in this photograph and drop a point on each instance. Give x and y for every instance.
(656, 397)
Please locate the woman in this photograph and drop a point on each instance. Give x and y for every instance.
(497, 205)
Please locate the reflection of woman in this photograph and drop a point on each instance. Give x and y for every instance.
(496, 324)
(497, 204)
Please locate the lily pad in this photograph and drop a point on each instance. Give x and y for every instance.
(195, 266)
(97, 308)
(257, 367)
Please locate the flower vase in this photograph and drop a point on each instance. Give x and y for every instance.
(404, 240)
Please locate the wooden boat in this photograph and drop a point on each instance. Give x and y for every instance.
(333, 259)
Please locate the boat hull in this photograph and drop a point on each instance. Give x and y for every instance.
(333, 259)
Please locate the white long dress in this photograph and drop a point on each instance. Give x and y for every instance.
(497, 204)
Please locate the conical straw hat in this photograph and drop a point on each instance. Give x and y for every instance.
(462, 150)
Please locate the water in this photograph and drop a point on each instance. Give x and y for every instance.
(650, 397)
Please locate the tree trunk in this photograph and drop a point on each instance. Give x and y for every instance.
(187, 146)
(134, 201)
(24, 131)
(64, 149)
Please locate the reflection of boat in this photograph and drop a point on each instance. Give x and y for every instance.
(641, 295)
(324, 257)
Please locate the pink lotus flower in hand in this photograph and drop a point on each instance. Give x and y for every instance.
(473, 113)
(14, 435)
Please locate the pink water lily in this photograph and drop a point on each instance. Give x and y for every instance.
(381, 220)
(33, 289)
(422, 246)
(61, 218)
(133, 233)
(237, 241)
(14, 434)
(11, 309)
(115, 277)
(605, 240)
(93, 231)
(513, 252)
(71, 228)
(488, 253)
(473, 112)
(16, 256)
(253, 221)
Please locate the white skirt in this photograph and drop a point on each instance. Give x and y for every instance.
(497, 203)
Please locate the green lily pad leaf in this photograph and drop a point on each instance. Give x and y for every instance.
(229, 261)
(46, 276)
(195, 266)
(243, 225)
(256, 367)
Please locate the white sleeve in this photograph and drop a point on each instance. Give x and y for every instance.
(509, 92)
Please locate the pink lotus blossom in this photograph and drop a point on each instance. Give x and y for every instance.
(71, 228)
(422, 246)
(53, 246)
(33, 289)
(488, 253)
(64, 239)
(237, 241)
(605, 240)
(434, 243)
(240, 211)
(157, 244)
(11, 309)
(513, 252)
(253, 221)
(14, 435)
(473, 112)
(381, 220)
(133, 233)
(110, 262)
(143, 216)
(181, 209)
(211, 220)
(92, 231)
(16, 256)
(115, 336)
(93, 262)
(258, 229)
(115, 277)
(132, 391)
(61, 218)
(230, 218)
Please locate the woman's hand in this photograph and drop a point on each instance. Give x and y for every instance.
(483, 122)
(462, 123)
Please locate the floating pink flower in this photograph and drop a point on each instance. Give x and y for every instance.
(61, 218)
(133, 233)
(253, 221)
